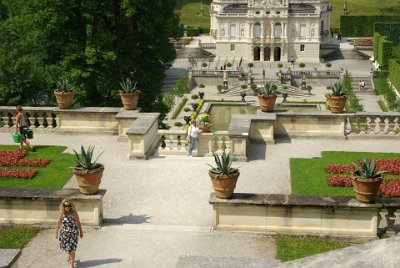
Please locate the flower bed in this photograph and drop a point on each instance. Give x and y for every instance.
(339, 176)
(17, 158)
(18, 173)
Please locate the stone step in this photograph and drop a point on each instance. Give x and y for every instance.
(185, 261)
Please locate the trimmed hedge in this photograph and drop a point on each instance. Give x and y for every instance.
(394, 71)
(382, 50)
(390, 30)
(362, 26)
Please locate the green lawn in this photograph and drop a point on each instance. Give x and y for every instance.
(55, 175)
(189, 13)
(189, 10)
(297, 247)
(16, 237)
(308, 176)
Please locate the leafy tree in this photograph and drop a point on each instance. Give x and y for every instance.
(92, 43)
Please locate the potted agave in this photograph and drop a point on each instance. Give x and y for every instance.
(267, 97)
(64, 94)
(223, 176)
(129, 94)
(88, 173)
(338, 98)
(366, 181)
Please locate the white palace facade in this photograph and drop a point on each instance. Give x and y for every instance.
(270, 30)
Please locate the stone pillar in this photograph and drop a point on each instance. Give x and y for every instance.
(272, 30)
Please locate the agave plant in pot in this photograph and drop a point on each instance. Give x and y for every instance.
(129, 94)
(366, 181)
(338, 98)
(223, 176)
(267, 97)
(88, 172)
(64, 94)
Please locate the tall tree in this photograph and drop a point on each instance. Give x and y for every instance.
(93, 43)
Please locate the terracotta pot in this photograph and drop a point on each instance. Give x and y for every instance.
(64, 99)
(337, 103)
(204, 128)
(89, 181)
(224, 185)
(366, 189)
(267, 103)
(129, 100)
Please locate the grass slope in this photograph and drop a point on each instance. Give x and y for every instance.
(308, 176)
(16, 237)
(189, 10)
(297, 247)
(55, 175)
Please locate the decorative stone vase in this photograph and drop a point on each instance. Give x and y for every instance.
(129, 100)
(224, 185)
(267, 103)
(366, 190)
(336, 103)
(205, 128)
(89, 181)
(64, 99)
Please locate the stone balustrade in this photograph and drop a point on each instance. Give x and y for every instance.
(40, 118)
(174, 143)
(316, 215)
(372, 125)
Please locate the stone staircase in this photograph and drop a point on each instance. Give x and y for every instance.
(169, 82)
(368, 89)
(348, 54)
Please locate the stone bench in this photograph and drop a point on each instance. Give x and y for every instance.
(38, 206)
(315, 215)
(9, 258)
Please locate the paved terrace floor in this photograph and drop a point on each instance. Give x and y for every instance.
(157, 210)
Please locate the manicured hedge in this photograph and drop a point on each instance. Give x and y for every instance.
(362, 26)
(394, 71)
(390, 30)
(382, 50)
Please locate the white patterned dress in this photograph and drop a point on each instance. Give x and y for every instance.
(69, 233)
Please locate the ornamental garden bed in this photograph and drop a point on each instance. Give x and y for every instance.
(330, 175)
(48, 167)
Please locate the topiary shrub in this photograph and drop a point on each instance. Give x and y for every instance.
(204, 64)
(229, 65)
(243, 86)
(280, 65)
(178, 124)
(219, 88)
(187, 109)
(202, 86)
(302, 65)
(194, 97)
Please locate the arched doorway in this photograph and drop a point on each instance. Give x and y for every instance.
(256, 54)
(267, 54)
(277, 54)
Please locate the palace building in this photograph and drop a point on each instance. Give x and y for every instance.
(270, 30)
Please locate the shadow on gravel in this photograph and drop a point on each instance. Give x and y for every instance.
(130, 219)
(94, 263)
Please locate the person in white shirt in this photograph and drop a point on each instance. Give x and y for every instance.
(192, 137)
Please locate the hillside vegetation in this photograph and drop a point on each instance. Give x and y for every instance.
(189, 10)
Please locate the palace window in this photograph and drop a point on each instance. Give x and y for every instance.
(232, 47)
(302, 48)
(278, 29)
(303, 30)
(257, 30)
(232, 30)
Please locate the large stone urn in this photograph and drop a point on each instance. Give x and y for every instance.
(89, 180)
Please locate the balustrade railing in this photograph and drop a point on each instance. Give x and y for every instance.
(214, 73)
(208, 45)
(174, 142)
(37, 117)
(317, 73)
(373, 125)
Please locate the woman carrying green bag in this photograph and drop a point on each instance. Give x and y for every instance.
(21, 127)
